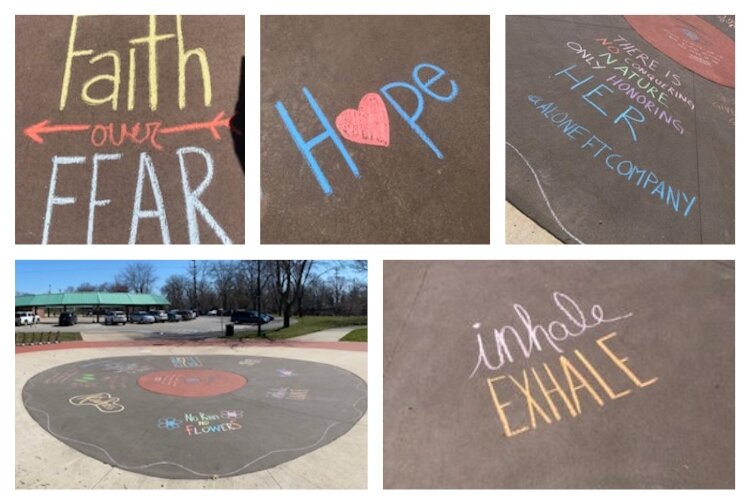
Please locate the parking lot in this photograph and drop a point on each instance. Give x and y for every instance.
(205, 325)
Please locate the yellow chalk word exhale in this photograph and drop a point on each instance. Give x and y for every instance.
(549, 394)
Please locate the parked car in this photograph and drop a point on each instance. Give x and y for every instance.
(142, 317)
(67, 319)
(212, 313)
(174, 316)
(248, 317)
(187, 314)
(115, 317)
(266, 317)
(159, 315)
(27, 318)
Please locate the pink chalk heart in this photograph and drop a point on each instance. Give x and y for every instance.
(368, 124)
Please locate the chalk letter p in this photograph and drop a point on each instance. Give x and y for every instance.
(411, 120)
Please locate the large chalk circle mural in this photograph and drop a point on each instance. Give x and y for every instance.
(692, 42)
(192, 417)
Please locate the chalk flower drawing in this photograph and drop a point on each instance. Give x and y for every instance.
(103, 401)
(169, 423)
(531, 335)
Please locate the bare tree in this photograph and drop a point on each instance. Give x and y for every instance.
(223, 275)
(86, 287)
(139, 277)
(338, 285)
(289, 278)
(176, 289)
(300, 274)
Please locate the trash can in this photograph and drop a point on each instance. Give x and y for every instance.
(229, 331)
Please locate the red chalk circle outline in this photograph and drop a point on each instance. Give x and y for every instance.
(679, 37)
(191, 382)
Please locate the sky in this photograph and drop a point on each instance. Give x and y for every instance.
(40, 277)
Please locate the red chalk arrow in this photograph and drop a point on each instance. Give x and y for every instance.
(36, 130)
(219, 120)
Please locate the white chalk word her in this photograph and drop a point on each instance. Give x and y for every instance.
(532, 336)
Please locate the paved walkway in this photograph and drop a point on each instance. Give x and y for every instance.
(328, 334)
(105, 336)
(42, 461)
(519, 229)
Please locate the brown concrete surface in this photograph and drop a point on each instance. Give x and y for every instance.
(669, 425)
(44, 462)
(405, 193)
(41, 47)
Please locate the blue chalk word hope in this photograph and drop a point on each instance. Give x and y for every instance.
(425, 77)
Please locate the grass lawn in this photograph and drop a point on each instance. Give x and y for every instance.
(356, 335)
(41, 337)
(305, 325)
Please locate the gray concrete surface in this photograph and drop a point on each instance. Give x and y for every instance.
(191, 417)
(685, 139)
(42, 461)
(669, 321)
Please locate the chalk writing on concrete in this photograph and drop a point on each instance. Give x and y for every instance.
(526, 336)
(86, 378)
(676, 199)
(115, 91)
(102, 401)
(550, 392)
(287, 394)
(249, 362)
(186, 362)
(370, 124)
(724, 104)
(636, 75)
(199, 423)
(727, 20)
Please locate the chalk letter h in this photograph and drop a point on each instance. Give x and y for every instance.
(306, 147)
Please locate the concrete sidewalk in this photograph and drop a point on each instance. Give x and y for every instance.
(105, 336)
(519, 229)
(328, 334)
(42, 461)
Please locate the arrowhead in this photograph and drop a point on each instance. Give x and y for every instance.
(34, 130)
(219, 120)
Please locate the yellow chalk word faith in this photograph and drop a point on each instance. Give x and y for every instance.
(112, 80)
(549, 396)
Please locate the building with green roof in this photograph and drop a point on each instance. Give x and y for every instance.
(97, 301)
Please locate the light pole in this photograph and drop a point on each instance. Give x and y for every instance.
(257, 286)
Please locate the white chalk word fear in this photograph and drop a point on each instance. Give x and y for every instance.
(146, 175)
